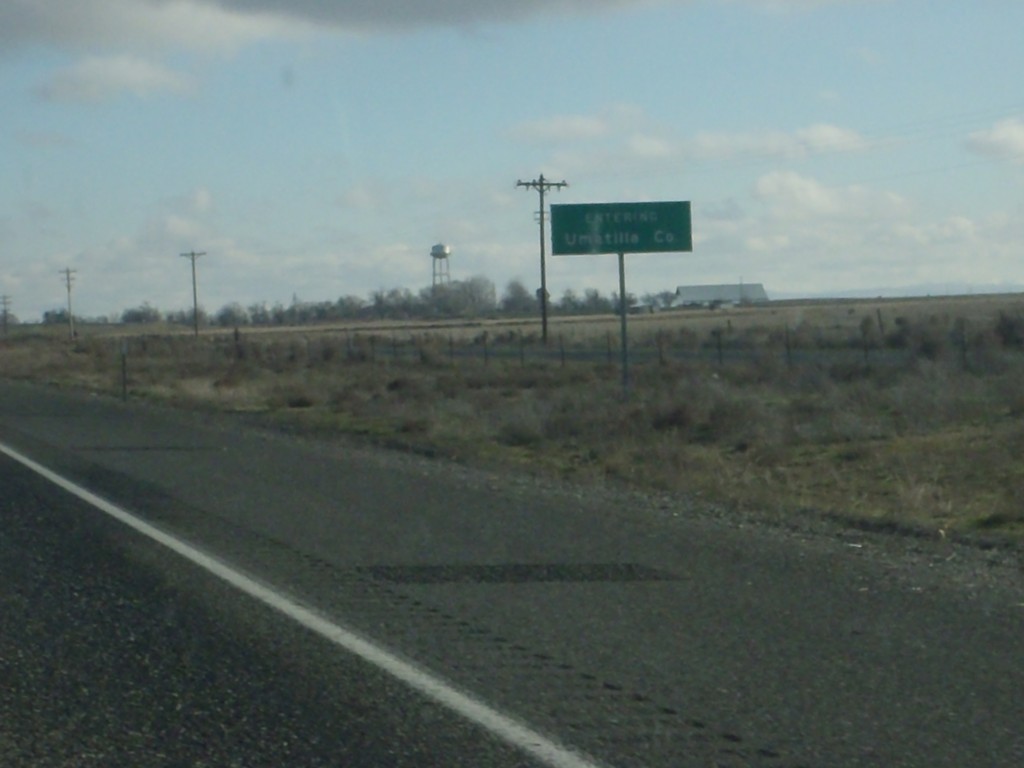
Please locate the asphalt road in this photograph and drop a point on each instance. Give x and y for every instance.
(113, 653)
(640, 635)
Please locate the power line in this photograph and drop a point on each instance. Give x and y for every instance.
(192, 256)
(542, 185)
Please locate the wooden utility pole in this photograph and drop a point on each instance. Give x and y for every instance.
(69, 279)
(192, 256)
(5, 302)
(542, 185)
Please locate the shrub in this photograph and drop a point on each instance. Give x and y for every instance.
(291, 395)
(848, 372)
(1009, 329)
(731, 420)
(899, 337)
(523, 424)
(677, 417)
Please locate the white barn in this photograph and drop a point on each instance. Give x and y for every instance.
(708, 295)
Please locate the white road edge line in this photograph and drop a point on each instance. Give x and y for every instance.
(502, 726)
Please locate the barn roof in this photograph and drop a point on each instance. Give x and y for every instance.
(739, 293)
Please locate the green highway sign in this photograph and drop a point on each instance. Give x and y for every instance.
(587, 228)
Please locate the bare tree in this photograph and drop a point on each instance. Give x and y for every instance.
(517, 299)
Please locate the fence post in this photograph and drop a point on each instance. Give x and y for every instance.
(561, 348)
(961, 324)
(487, 351)
(124, 371)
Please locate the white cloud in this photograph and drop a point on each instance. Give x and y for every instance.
(651, 147)
(877, 246)
(227, 24)
(814, 139)
(145, 266)
(809, 236)
(360, 196)
(202, 200)
(137, 25)
(796, 6)
(1004, 140)
(97, 79)
(952, 231)
(179, 224)
(768, 243)
(355, 15)
(562, 128)
(612, 122)
(823, 137)
(868, 57)
(793, 196)
(182, 229)
(622, 138)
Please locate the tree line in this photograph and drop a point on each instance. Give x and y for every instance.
(476, 297)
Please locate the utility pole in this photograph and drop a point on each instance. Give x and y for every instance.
(542, 185)
(69, 279)
(192, 256)
(5, 302)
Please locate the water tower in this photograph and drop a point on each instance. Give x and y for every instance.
(439, 255)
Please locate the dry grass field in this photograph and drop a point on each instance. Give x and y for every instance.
(889, 413)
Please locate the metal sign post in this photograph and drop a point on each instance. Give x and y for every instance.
(592, 228)
(623, 309)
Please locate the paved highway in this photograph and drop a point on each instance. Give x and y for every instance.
(112, 654)
(630, 634)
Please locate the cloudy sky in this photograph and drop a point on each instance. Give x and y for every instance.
(318, 148)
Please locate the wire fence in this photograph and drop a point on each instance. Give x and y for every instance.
(718, 348)
(848, 348)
